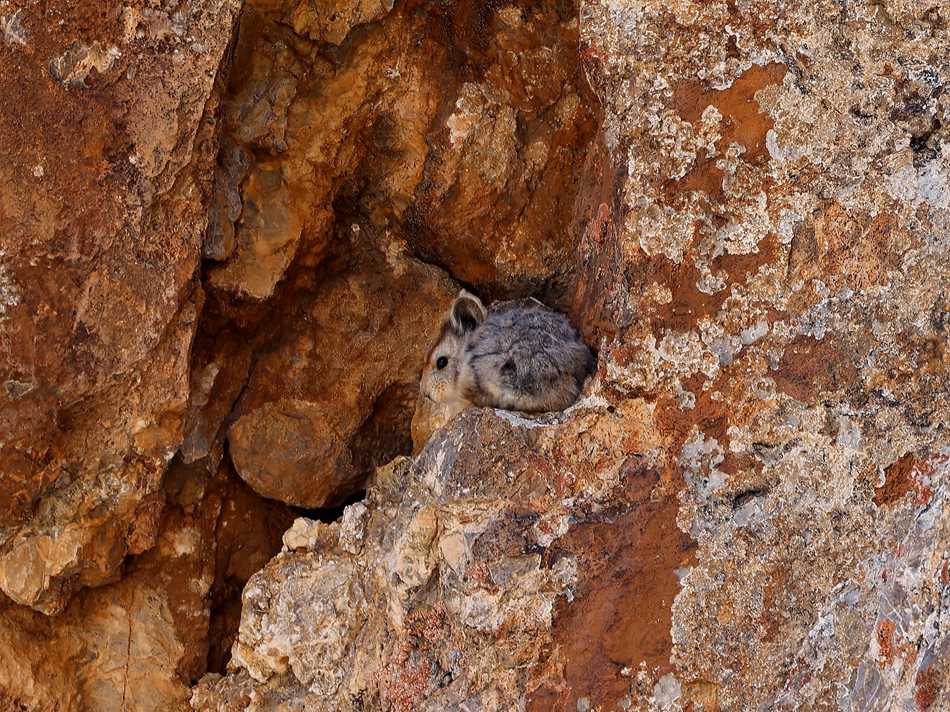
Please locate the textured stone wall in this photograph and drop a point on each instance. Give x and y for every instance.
(748, 510)
(228, 232)
(783, 234)
(108, 149)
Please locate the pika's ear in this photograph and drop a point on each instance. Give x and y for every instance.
(467, 312)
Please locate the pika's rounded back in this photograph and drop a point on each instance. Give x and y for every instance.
(517, 355)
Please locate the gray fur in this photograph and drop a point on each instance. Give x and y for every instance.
(518, 355)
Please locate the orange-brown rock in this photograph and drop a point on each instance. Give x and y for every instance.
(464, 137)
(108, 142)
(139, 643)
(221, 246)
(495, 206)
(487, 521)
(758, 230)
(333, 393)
(133, 645)
(332, 21)
(313, 135)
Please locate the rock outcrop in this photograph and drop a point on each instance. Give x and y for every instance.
(751, 511)
(441, 587)
(209, 267)
(228, 233)
(341, 164)
(139, 643)
(108, 133)
(333, 394)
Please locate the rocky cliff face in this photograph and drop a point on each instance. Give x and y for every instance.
(229, 232)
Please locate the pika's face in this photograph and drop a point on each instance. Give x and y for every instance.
(439, 381)
(441, 397)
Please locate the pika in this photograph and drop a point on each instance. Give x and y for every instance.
(517, 355)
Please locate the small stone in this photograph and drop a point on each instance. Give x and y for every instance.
(303, 534)
(667, 691)
(352, 527)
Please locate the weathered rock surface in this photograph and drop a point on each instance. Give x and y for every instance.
(752, 511)
(498, 193)
(453, 560)
(321, 141)
(451, 122)
(210, 245)
(138, 644)
(108, 144)
(333, 394)
(782, 236)
(143, 140)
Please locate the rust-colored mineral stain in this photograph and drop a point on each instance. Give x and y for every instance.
(898, 481)
(598, 220)
(860, 251)
(885, 641)
(689, 304)
(703, 177)
(904, 477)
(810, 367)
(701, 696)
(928, 685)
(621, 614)
(923, 494)
(743, 120)
(774, 603)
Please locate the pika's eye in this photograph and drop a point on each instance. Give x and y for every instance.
(441, 363)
